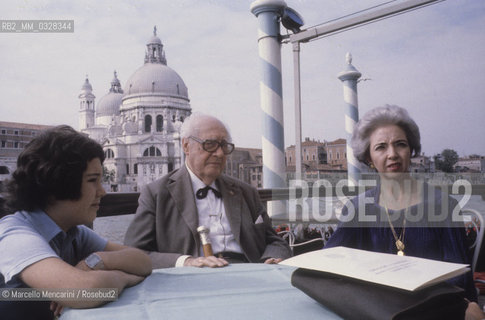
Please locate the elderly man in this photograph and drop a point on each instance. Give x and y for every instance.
(171, 209)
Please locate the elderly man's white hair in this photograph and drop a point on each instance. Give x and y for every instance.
(191, 125)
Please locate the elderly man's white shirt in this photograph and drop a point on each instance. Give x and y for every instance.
(212, 214)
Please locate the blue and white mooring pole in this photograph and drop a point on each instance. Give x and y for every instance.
(349, 78)
(271, 97)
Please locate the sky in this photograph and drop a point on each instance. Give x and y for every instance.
(429, 61)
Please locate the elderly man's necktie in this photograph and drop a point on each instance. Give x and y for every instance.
(202, 192)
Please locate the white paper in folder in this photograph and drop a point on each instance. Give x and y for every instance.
(404, 272)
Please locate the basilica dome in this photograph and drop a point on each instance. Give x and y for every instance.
(109, 104)
(155, 77)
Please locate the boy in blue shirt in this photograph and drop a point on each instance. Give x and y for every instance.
(56, 190)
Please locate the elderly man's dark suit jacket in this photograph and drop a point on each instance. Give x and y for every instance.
(166, 220)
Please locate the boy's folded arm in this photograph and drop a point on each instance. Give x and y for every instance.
(53, 273)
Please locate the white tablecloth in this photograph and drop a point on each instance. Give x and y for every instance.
(239, 291)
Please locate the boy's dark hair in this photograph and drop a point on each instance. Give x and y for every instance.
(50, 168)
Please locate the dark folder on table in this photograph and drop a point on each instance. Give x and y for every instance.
(355, 299)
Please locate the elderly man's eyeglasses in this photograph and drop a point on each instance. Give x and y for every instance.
(212, 145)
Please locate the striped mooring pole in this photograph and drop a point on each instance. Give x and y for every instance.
(271, 97)
(349, 78)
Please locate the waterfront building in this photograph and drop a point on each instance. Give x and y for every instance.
(313, 154)
(422, 164)
(138, 125)
(318, 158)
(475, 164)
(14, 136)
(246, 164)
(337, 154)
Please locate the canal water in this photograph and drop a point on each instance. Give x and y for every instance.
(113, 228)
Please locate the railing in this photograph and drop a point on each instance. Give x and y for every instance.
(116, 203)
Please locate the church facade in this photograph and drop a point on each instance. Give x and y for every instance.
(138, 125)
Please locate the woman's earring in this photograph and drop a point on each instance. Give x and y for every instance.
(371, 165)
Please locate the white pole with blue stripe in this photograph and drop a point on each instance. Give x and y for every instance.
(271, 95)
(349, 77)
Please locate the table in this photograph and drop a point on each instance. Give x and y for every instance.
(238, 291)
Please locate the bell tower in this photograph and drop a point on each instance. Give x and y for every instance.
(86, 106)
